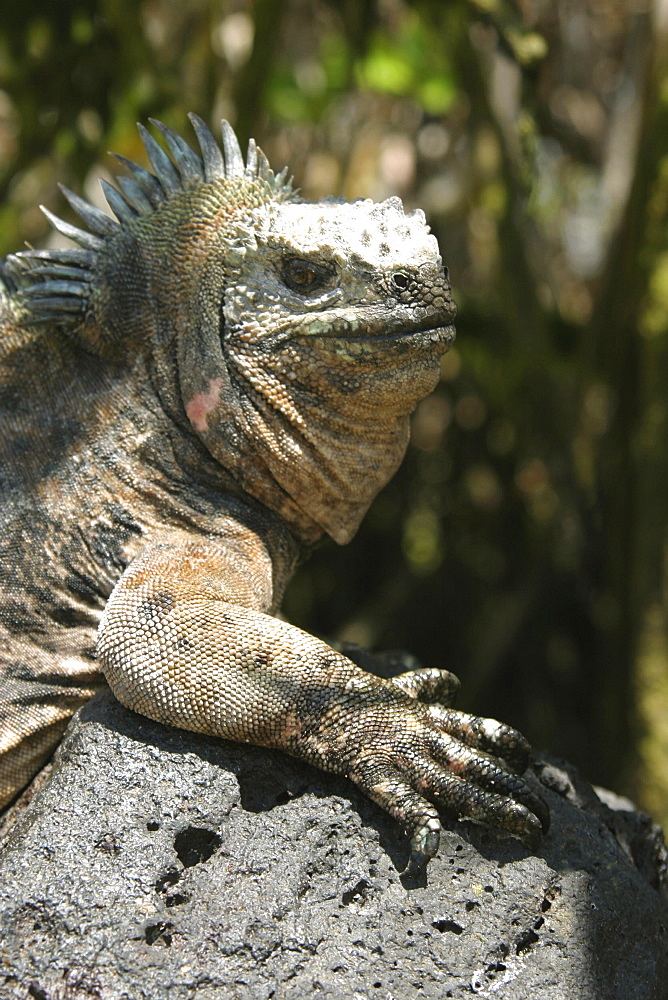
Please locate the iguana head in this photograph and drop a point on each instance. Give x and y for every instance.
(293, 339)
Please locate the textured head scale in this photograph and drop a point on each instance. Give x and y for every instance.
(378, 231)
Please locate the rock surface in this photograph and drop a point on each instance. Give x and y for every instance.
(154, 864)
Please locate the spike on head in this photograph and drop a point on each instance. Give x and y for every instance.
(234, 161)
(187, 162)
(212, 158)
(165, 170)
(97, 221)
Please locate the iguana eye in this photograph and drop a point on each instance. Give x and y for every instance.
(305, 276)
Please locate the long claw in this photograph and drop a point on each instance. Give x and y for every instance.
(429, 685)
(425, 841)
(486, 734)
(531, 834)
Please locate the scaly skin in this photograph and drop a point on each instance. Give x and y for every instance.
(190, 400)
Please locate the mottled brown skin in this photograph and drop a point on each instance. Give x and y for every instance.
(189, 403)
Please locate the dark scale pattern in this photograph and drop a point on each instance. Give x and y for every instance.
(190, 398)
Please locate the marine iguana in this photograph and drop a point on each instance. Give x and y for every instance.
(199, 391)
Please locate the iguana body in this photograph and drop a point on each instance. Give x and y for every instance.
(190, 399)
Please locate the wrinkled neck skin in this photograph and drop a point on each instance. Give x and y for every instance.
(313, 429)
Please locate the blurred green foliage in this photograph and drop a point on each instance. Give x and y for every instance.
(523, 543)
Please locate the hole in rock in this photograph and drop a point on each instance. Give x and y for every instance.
(357, 892)
(196, 844)
(176, 899)
(160, 933)
(450, 926)
(169, 878)
(163, 885)
(152, 826)
(525, 941)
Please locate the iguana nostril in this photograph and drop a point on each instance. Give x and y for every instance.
(400, 280)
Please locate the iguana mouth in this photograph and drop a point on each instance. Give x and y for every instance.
(422, 335)
(405, 335)
(391, 327)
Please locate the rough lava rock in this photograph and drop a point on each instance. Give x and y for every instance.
(154, 864)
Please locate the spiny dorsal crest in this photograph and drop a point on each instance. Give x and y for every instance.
(55, 284)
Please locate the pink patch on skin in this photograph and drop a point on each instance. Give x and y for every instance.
(292, 726)
(202, 403)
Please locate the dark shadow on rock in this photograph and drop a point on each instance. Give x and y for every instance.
(267, 778)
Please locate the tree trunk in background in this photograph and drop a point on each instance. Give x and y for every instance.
(630, 477)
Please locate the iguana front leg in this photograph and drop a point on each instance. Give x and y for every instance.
(186, 640)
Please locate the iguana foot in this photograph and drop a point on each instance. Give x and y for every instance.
(416, 762)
